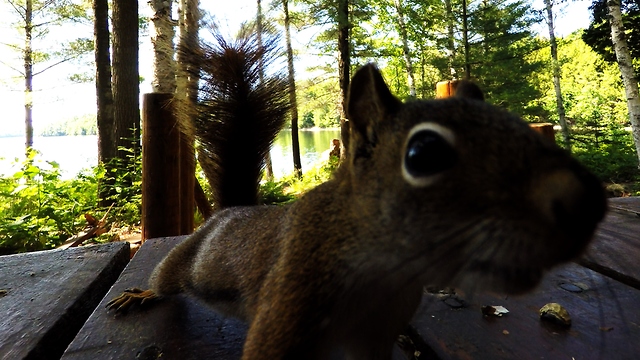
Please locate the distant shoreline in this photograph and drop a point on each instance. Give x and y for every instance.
(22, 135)
(40, 136)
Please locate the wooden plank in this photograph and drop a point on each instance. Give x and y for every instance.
(631, 203)
(175, 328)
(46, 296)
(605, 322)
(616, 248)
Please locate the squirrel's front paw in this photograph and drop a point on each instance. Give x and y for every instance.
(130, 297)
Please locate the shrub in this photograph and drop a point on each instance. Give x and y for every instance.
(38, 210)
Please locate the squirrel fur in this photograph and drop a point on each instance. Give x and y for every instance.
(449, 192)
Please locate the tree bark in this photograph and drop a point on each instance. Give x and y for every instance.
(625, 64)
(189, 15)
(344, 65)
(164, 66)
(126, 77)
(556, 76)
(259, 28)
(451, 46)
(28, 74)
(104, 96)
(465, 40)
(295, 142)
(402, 27)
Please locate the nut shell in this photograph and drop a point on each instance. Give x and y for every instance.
(555, 313)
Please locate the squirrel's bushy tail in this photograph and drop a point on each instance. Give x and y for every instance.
(238, 112)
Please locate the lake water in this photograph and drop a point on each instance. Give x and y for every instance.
(75, 153)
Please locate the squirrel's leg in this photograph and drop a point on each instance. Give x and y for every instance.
(171, 275)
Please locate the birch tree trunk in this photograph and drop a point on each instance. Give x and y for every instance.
(164, 66)
(259, 29)
(186, 81)
(191, 193)
(28, 74)
(295, 142)
(556, 76)
(624, 60)
(402, 30)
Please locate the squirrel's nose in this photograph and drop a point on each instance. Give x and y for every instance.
(573, 202)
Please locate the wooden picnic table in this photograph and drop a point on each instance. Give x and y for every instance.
(601, 292)
(46, 296)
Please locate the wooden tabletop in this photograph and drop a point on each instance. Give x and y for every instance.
(600, 293)
(175, 328)
(604, 306)
(46, 296)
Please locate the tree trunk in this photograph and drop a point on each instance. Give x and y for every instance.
(402, 27)
(190, 189)
(295, 143)
(465, 40)
(486, 7)
(267, 158)
(626, 70)
(28, 74)
(556, 76)
(164, 66)
(126, 77)
(104, 96)
(344, 65)
(451, 45)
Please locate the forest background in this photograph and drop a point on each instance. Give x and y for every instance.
(500, 44)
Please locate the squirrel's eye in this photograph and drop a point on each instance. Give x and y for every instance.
(429, 152)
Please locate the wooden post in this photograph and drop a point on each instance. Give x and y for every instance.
(160, 167)
(444, 89)
(545, 129)
(187, 183)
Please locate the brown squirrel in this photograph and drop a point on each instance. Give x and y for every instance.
(450, 192)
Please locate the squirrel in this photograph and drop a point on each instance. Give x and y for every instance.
(450, 192)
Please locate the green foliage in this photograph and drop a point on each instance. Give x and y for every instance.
(38, 210)
(275, 192)
(608, 151)
(500, 40)
(307, 120)
(595, 108)
(319, 101)
(311, 178)
(289, 188)
(598, 35)
(123, 178)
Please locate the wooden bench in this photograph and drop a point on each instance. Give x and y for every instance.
(600, 292)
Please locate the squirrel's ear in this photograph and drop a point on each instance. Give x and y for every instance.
(369, 100)
(468, 89)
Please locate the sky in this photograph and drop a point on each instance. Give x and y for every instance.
(57, 99)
